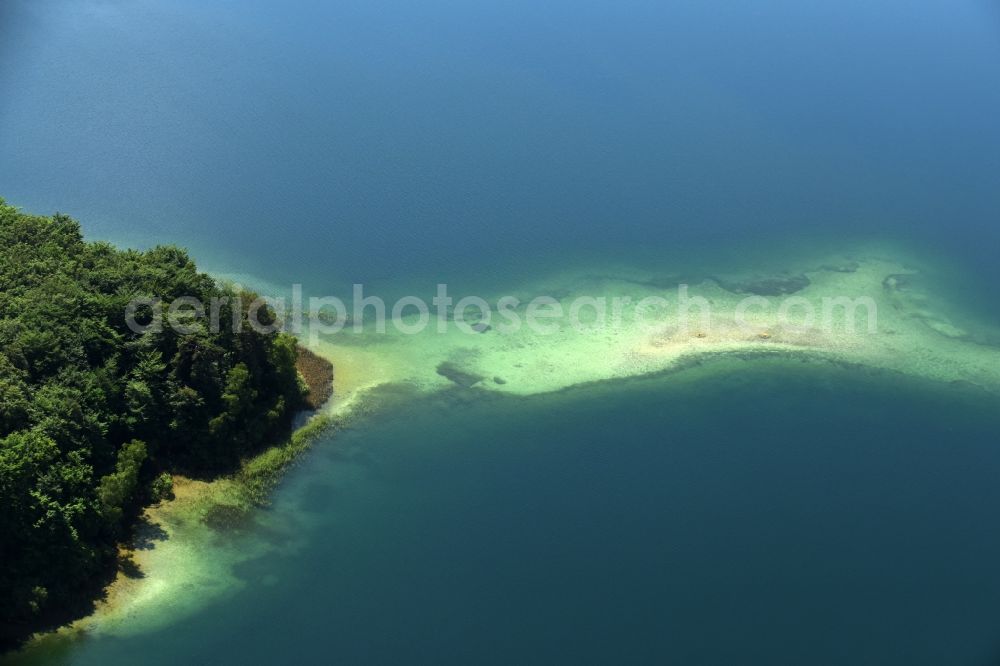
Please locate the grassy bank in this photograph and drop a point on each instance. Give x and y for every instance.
(259, 475)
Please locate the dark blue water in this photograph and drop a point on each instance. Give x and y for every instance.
(392, 141)
(775, 515)
(771, 516)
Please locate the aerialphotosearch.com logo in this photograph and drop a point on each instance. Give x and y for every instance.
(543, 315)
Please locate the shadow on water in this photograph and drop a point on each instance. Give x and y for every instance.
(148, 534)
(129, 568)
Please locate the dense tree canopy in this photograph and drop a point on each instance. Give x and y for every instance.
(92, 413)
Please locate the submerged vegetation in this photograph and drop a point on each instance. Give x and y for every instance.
(94, 417)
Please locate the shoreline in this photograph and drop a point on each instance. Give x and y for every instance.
(197, 504)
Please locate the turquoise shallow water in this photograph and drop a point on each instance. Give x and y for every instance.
(784, 514)
(774, 515)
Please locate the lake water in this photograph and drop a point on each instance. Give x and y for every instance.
(329, 143)
(774, 514)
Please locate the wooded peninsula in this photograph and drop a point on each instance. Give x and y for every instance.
(95, 418)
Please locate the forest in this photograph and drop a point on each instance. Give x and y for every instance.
(94, 417)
